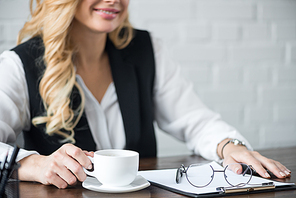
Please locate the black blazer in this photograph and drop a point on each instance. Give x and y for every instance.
(133, 71)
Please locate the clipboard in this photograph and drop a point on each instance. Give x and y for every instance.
(165, 179)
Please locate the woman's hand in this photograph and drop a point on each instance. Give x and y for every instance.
(61, 168)
(240, 154)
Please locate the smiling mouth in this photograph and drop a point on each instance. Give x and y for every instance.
(107, 11)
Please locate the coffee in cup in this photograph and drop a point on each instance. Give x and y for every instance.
(115, 167)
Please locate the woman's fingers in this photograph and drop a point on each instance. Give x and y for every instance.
(258, 162)
(284, 169)
(62, 168)
(77, 154)
(89, 153)
(230, 162)
(58, 175)
(76, 169)
(273, 166)
(73, 159)
(53, 179)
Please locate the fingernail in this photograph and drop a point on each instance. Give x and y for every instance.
(287, 173)
(236, 170)
(267, 175)
(89, 167)
(282, 174)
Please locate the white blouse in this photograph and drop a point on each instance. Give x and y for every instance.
(178, 110)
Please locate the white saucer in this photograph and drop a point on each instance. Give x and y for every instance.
(92, 183)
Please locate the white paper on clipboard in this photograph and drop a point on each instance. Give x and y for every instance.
(167, 178)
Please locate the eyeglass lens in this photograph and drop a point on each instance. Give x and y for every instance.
(238, 174)
(200, 175)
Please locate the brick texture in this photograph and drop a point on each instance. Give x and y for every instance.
(240, 56)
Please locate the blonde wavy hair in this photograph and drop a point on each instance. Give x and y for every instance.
(51, 20)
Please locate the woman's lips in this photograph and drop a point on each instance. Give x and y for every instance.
(107, 13)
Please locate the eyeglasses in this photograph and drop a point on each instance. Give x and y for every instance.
(236, 174)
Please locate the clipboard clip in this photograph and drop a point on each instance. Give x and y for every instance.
(252, 187)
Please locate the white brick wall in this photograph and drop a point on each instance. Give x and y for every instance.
(240, 55)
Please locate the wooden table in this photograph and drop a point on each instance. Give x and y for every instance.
(35, 190)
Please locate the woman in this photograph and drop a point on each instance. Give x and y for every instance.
(85, 80)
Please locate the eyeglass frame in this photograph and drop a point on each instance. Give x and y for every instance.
(178, 178)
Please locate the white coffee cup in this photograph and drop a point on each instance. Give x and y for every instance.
(115, 167)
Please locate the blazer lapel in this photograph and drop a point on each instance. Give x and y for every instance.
(126, 85)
